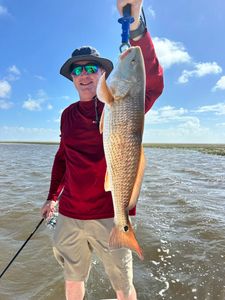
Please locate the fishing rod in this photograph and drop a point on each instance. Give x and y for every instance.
(17, 253)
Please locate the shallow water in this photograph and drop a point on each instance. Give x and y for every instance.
(180, 225)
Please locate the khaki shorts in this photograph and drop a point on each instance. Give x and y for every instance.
(75, 240)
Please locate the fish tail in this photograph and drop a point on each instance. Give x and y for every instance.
(125, 238)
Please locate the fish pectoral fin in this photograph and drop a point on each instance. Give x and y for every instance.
(120, 89)
(138, 180)
(119, 239)
(101, 122)
(107, 183)
(104, 93)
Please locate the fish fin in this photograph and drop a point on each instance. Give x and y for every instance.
(107, 184)
(119, 239)
(120, 89)
(138, 180)
(104, 93)
(101, 122)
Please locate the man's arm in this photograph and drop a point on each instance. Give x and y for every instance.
(57, 175)
(57, 182)
(154, 72)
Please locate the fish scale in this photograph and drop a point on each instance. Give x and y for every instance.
(122, 125)
(120, 159)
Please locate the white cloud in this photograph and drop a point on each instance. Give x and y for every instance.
(5, 89)
(5, 104)
(13, 69)
(3, 10)
(171, 112)
(190, 124)
(13, 73)
(49, 107)
(66, 97)
(39, 77)
(165, 114)
(200, 70)
(42, 95)
(114, 9)
(35, 104)
(183, 118)
(220, 124)
(220, 85)
(203, 69)
(150, 12)
(184, 78)
(60, 114)
(10, 133)
(181, 126)
(57, 120)
(186, 133)
(170, 52)
(218, 109)
(32, 105)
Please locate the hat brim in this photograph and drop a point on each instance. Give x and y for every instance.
(105, 63)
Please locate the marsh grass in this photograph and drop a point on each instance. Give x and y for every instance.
(217, 149)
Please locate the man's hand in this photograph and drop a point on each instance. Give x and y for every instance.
(136, 6)
(47, 209)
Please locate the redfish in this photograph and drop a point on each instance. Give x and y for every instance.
(122, 125)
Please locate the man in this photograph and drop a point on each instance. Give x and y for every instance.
(85, 209)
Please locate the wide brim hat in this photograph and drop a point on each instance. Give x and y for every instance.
(85, 53)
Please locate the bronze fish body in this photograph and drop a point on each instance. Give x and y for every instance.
(122, 125)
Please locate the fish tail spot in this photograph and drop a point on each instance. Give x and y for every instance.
(126, 228)
(125, 238)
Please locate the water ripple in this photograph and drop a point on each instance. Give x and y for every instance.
(180, 224)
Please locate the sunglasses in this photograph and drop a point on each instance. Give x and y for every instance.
(89, 68)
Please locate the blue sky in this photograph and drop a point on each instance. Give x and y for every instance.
(36, 38)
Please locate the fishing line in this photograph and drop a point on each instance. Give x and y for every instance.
(17, 253)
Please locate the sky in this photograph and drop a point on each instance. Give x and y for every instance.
(37, 37)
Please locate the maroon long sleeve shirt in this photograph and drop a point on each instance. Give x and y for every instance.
(79, 166)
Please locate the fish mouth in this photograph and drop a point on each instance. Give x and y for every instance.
(125, 53)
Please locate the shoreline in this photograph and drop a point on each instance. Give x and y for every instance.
(216, 149)
(29, 142)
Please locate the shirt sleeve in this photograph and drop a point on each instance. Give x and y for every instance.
(58, 170)
(57, 175)
(154, 72)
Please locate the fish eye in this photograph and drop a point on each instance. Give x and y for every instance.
(133, 61)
